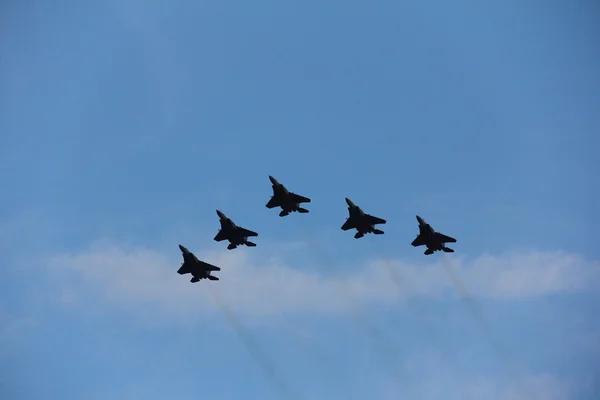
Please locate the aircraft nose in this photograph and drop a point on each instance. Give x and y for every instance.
(273, 180)
(182, 248)
(421, 220)
(349, 202)
(220, 214)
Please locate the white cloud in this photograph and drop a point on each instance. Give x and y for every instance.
(145, 279)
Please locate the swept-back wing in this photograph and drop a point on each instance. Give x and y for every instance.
(443, 238)
(272, 203)
(246, 232)
(299, 199)
(349, 224)
(209, 267)
(419, 241)
(375, 220)
(220, 236)
(184, 269)
(189, 258)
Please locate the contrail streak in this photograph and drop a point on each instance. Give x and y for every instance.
(398, 281)
(480, 320)
(390, 349)
(253, 348)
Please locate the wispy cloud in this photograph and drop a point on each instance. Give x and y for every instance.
(142, 277)
(13, 329)
(543, 386)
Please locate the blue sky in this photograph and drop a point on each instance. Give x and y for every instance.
(126, 124)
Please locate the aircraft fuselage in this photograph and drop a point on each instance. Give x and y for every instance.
(362, 223)
(229, 231)
(229, 228)
(200, 275)
(283, 198)
(195, 267)
(288, 201)
(429, 235)
(431, 238)
(191, 267)
(280, 191)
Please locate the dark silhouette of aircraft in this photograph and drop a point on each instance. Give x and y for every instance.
(433, 240)
(288, 201)
(198, 269)
(363, 223)
(235, 234)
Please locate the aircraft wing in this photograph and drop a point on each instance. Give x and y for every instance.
(375, 220)
(184, 269)
(349, 224)
(272, 203)
(419, 241)
(246, 232)
(220, 236)
(299, 199)
(188, 258)
(209, 267)
(443, 238)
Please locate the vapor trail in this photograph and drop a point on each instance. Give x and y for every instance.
(480, 320)
(398, 281)
(467, 299)
(360, 319)
(253, 348)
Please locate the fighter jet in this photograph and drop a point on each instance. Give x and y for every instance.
(198, 269)
(288, 201)
(363, 223)
(235, 234)
(433, 240)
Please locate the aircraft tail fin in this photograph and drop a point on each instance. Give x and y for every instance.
(302, 210)
(231, 246)
(250, 244)
(428, 252)
(447, 250)
(213, 278)
(194, 279)
(358, 235)
(283, 213)
(378, 231)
